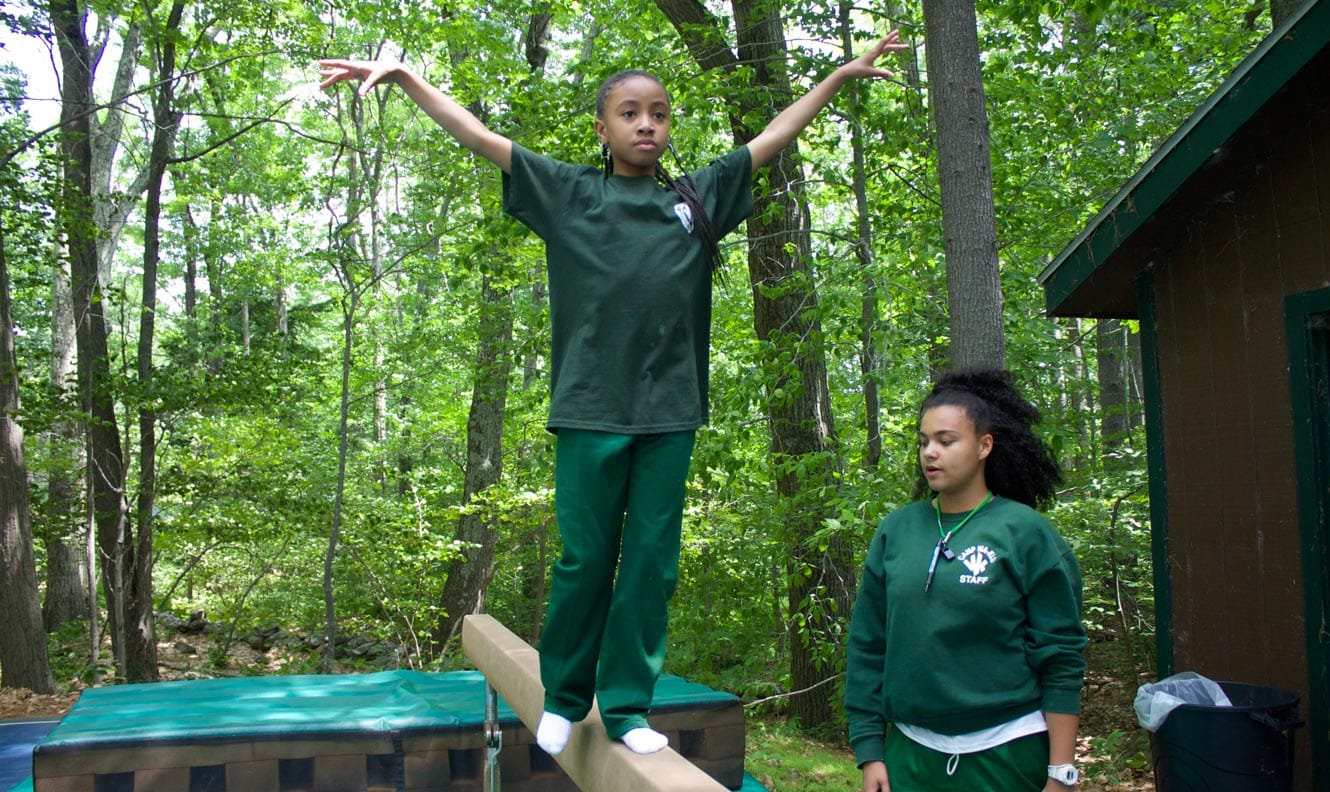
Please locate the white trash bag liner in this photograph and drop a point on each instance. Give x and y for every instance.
(1155, 700)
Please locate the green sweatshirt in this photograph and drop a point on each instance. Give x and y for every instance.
(998, 634)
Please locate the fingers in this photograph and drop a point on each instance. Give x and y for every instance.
(890, 43)
(335, 71)
(875, 777)
(344, 68)
(868, 60)
(332, 77)
(369, 72)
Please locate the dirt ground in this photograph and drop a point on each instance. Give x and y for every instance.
(20, 703)
(1102, 756)
(174, 661)
(1106, 711)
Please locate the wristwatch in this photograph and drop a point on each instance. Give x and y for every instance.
(1064, 774)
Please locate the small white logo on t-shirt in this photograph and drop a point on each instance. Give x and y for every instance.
(976, 558)
(685, 213)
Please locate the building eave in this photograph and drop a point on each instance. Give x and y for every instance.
(1261, 75)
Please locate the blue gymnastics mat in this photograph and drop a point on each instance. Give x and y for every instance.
(17, 738)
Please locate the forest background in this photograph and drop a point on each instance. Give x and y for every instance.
(278, 356)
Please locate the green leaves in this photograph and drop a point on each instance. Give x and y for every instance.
(287, 207)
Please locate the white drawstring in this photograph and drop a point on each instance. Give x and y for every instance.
(953, 763)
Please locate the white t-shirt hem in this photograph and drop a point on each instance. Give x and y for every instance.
(976, 741)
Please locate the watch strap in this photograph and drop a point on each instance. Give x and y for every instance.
(1064, 773)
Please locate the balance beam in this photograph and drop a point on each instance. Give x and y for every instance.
(592, 760)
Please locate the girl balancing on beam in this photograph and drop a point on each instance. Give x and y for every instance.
(630, 255)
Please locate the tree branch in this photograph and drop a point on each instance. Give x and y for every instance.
(701, 33)
(9, 156)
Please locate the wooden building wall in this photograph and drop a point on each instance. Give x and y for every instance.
(1219, 289)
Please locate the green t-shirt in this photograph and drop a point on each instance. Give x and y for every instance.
(998, 634)
(629, 286)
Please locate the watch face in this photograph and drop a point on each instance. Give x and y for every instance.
(1064, 773)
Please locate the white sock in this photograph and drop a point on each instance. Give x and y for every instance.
(553, 732)
(644, 741)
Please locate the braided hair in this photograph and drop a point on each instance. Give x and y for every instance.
(683, 186)
(1021, 465)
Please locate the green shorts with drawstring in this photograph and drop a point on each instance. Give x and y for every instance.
(1017, 766)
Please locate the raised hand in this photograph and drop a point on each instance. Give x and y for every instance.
(866, 64)
(369, 73)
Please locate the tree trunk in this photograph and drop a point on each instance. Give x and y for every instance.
(965, 175)
(23, 658)
(869, 359)
(142, 648)
(1280, 9)
(66, 579)
(66, 567)
(1111, 346)
(64, 536)
(1135, 382)
(112, 203)
(819, 583)
(215, 273)
(350, 304)
(190, 233)
(106, 470)
(534, 585)
(469, 576)
(365, 172)
(1078, 365)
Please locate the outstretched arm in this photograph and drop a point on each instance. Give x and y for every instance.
(786, 127)
(455, 119)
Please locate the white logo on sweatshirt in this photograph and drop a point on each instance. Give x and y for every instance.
(685, 213)
(976, 558)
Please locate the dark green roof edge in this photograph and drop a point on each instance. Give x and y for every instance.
(1260, 75)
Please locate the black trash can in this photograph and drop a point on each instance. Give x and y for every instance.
(1244, 748)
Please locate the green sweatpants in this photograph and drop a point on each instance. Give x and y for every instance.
(1018, 766)
(619, 502)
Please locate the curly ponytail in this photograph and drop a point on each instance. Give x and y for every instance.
(1021, 465)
